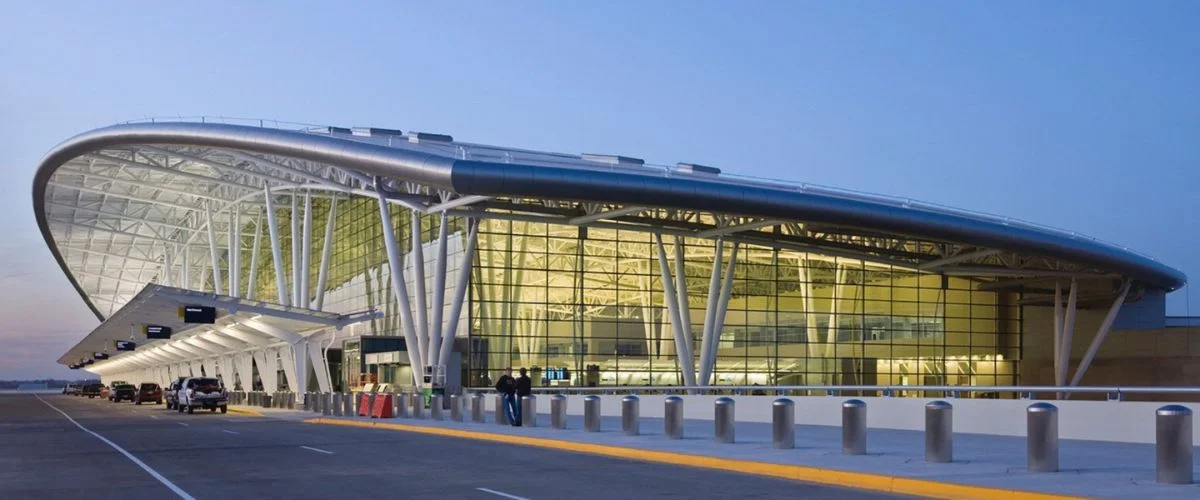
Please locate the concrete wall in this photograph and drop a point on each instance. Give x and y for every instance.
(1125, 421)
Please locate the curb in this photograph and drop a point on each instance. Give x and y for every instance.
(830, 477)
(242, 411)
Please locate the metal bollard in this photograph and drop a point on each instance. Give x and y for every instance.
(435, 407)
(253, 398)
(939, 432)
(783, 424)
(1041, 437)
(529, 411)
(336, 401)
(348, 404)
(1173, 444)
(456, 408)
(477, 408)
(591, 413)
(558, 411)
(291, 401)
(326, 403)
(307, 402)
(673, 417)
(854, 427)
(501, 416)
(402, 405)
(629, 415)
(418, 405)
(266, 400)
(370, 403)
(723, 420)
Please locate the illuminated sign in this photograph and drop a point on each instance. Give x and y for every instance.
(125, 345)
(99, 355)
(199, 314)
(157, 332)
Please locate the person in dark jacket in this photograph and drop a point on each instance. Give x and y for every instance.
(507, 386)
(524, 388)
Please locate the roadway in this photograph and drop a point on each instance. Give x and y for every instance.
(44, 455)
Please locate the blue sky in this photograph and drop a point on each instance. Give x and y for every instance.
(1082, 115)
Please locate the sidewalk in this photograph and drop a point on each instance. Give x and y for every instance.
(1088, 468)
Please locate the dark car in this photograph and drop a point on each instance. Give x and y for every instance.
(149, 393)
(121, 392)
(91, 390)
(171, 393)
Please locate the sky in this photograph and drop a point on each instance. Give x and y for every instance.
(1080, 115)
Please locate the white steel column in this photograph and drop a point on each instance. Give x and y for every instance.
(320, 366)
(1101, 333)
(185, 277)
(1068, 330)
(226, 365)
(210, 367)
(268, 368)
(295, 216)
(245, 370)
(681, 291)
(683, 353)
(439, 295)
(722, 308)
(422, 307)
(397, 268)
(710, 310)
(212, 250)
(287, 360)
(235, 252)
(168, 269)
(326, 246)
(1058, 331)
(252, 280)
(460, 293)
(298, 361)
(276, 250)
(306, 252)
(197, 367)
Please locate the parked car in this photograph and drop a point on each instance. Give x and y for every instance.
(72, 389)
(202, 392)
(121, 392)
(171, 394)
(148, 392)
(91, 390)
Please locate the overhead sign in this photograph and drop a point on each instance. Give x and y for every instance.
(99, 355)
(199, 314)
(73, 366)
(157, 332)
(88, 361)
(125, 345)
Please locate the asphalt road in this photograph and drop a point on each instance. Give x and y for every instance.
(44, 455)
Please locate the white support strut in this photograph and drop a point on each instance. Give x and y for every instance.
(460, 293)
(1101, 333)
(400, 289)
(683, 353)
(276, 250)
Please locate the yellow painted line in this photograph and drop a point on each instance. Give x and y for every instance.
(857, 480)
(242, 411)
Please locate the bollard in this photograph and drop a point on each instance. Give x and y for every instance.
(630, 411)
(558, 411)
(253, 398)
(348, 404)
(435, 407)
(783, 424)
(673, 417)
(338, 409)
(308, 401)
(395, 405)
(723, 420)
(402, 405)
(1173, 444)
(266, 400)
(456, 406)
(501, 416)
(1041, 437)
(854, 427)
(591, 413)
(418, 406)
(370, 404)
(939, 432)
(477, 407)
(529, 411)
(291, 401)
(326, 403)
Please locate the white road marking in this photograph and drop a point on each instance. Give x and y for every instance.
(501, 494)
(181, 423)
(154, 417)
(229, 431)
(318, 450)
(166, 482)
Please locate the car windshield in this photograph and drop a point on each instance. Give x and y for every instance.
(149, 387)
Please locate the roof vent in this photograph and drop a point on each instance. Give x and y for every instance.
(332, 130)
(692, 168)
(375, 132)
(613, 159)
(419, 137)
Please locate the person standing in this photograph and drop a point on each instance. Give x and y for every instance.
(524, 388)
(507, 386)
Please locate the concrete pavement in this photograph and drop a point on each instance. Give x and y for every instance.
(205, 455)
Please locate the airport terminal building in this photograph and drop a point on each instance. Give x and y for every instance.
(334, 257)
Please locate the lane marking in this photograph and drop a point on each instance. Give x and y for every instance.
(318, 450)
(501, 494)
(154, 417)
(166, 482)
(229, 431)
(181, 423)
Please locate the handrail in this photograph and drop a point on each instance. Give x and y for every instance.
(885, 389)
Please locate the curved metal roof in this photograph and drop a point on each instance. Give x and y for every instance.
(192, 167)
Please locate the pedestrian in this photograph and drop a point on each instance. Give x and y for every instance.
(524, 388)
(507, 386)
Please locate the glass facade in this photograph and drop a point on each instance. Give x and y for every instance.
(585, 306)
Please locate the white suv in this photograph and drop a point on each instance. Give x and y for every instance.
(202, 392)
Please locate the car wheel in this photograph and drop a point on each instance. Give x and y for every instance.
(178, 407)
(224, 409)
(158, 402)
(191, 409)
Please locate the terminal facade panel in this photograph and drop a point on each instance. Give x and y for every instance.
(582, 291)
